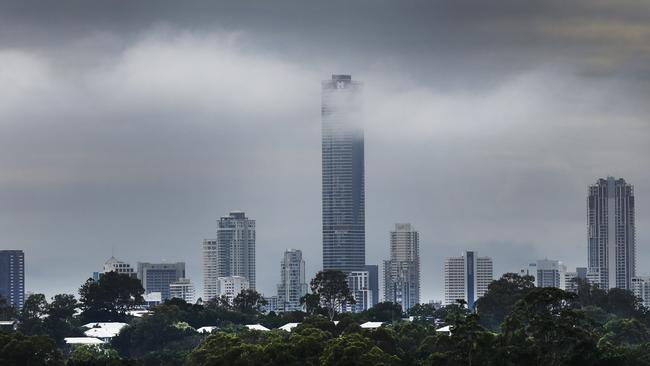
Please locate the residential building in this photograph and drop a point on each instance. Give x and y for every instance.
(156, 277)
(641, 289)
(232, 253)
(467, 278)
(292, 284)
(231, 286)
(182, 289)
(115, 265)
(611, 233)
(548, 273)
(12, 277)
(359, 284)
(402, 270)
(343, 195)
(570, 283)
(373, 282)
(210, 274)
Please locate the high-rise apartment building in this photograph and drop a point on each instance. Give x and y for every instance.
(156, 277)
(571, 279)
(467, 278)
(547, 273)
(182, 289)
(359, 284)
(231, 286)
(641, 289)
(292, 284)
(611, 233)
(12, 277)
(402, 270)
(210, 274)
(344, 229)
(232, 253)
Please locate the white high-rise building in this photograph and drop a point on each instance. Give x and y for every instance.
(156, 277)
(292, 284)
(402, 270)
(182, 289)
(231, 286)
(611, 233)
(231, 254)
(210, 274)
(467, 278)
(641, 289)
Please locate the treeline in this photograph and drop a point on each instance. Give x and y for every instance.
(514, 324)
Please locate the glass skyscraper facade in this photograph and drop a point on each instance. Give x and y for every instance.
(611, 233)
(344, 229)
(12, 277)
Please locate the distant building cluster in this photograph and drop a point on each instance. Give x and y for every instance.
(229, 258)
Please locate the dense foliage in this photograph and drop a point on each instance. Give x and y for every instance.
(515, 323)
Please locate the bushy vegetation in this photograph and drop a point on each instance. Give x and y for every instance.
(514, 324)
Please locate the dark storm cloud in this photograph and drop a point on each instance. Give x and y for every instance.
(135, 125)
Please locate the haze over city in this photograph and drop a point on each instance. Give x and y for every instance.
(130, 129)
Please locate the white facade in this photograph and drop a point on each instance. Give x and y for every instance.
(402, 270)
(182, 289)
(292, 284)
(359, 284)
(467, 278)
(641, 289)
(114, 265)
(231, 286)
(210, 275)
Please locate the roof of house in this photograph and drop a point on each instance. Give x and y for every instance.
(257, 327)
(371, 325)
(207, 329)
(104, 330)
(287, 327)
(83, 340)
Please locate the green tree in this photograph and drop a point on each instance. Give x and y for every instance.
(384, 312)
(547, 328)
(7, 311)
(109, 298)
(249, 302)
(60, 321)
(17, 349)
(355, 349)
(223, 349)
(501, 297)
(332, 289)
(34, 308)
(93, 355)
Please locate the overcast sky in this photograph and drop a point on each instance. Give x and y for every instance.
(132, 126)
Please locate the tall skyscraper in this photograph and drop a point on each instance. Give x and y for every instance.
(611, 233)
(402, 270)
(210, 275)
(231, 254)
(292, 284)
(12, 277)
(344, 229)
(156, 277)
(467, 278)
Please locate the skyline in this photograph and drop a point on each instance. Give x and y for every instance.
(136, 132)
